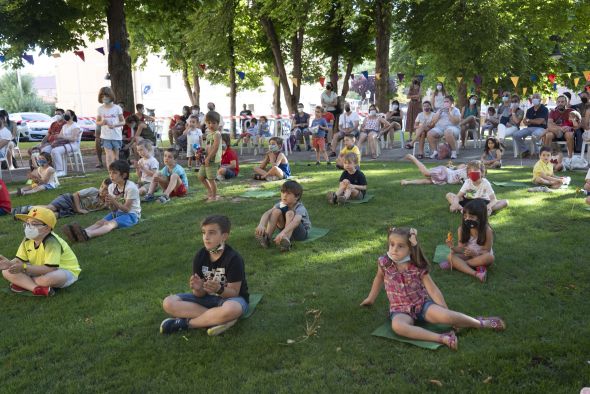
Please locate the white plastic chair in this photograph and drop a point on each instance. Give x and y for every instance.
(5, 160)
(75, 155)
(16, 149)
(585, 144)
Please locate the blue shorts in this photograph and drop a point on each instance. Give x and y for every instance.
(123, 219)
(47, 186)
(213, 301)
(3, 212)
(229, 173)
(111, 144)
(420, 317)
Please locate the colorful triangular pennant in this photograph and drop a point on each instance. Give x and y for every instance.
(365, 74)
(100, 50)
(496, 78)
(295, 81)
(203, 66)
(275, 80)
(28, 58)
(241, 75)
(587, 75)
(514, 80)
(400, 76)
(377, 76)
(459, 79)
(551, 77)
(576, 81)
(80, 54)
(441, 79)
(524, 90)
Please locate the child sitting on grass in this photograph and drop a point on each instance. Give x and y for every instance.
(288, 216)
(219, 292)
(556, 158)
(43, 260)
(194, 139)
(476, 186)
(43, 177)
(123, 201)
(349, 147)
(474, 250)
(171, 178)
(5, 205)
(492, 154)
(81, 202)
(230, 168)
(147, 166)
(279, 165)
(353, 184)
(586, 189)
(413, 295)
(208, 171)
(439, 175)
(543, 171)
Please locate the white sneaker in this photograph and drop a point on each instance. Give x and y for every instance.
(60, 174)
(567, 180)
(220, 329)
(220, 178)
(434, 155)
(453, 154)
(543, 189)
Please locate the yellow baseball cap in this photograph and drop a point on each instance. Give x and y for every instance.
(41, 214)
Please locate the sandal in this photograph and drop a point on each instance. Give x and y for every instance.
(446, 265)
(69, 233)
(494, 322)
(450, 340)
(419, 157)
(258, 177)
(79, 233)
(409, 146)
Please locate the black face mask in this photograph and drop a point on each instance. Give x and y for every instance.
(67, 117)
(347, 109)
(584, 100)
(471, 223)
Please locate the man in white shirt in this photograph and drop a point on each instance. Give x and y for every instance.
(446, 122)
(348, 124)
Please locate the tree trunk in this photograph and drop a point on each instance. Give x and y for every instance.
(276, 96)
(383, 23)
(334, 71)
(232, 69)
(119, 59)
(461, 99)
(297, 48)
(345, 84)
(196, 87)
(187, 83)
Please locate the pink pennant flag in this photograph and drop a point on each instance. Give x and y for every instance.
(80, 54)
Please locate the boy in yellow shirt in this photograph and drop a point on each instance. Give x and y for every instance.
(349, 147)
(543, 171)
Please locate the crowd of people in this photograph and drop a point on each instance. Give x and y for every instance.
(219, 293)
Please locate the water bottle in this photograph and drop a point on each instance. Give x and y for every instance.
(196, 147)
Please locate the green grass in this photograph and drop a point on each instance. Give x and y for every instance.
(102, 333)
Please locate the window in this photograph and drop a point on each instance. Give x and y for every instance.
(165, 82)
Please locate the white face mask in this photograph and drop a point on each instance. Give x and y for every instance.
(447, 104)
(505, 98)
(372, 112)
(472, 101)
(438, 87)
(394, 107)
(195, 112)
(536, 101)
(106, 100)
(300, 110)
(31, 232)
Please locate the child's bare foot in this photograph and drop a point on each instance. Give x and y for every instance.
(409, 156)
(403, 182)
(450, 340)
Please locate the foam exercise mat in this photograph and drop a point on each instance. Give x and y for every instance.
(254, 300)
(441, 253)
(260, 193)
(511, 184)
(385, 331)
(316, 233)
(367, 198)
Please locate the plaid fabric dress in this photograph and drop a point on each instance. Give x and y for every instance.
(404, 289)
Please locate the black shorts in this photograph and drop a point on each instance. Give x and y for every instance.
(464, 201)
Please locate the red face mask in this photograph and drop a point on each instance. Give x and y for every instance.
(474, 176)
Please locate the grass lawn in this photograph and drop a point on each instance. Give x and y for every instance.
(102, 334)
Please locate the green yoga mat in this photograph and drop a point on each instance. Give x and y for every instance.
(587, 208)
(254, 300)
(385, 331)
(367, 198)
(316, 233)
(441, 253)
(23, 294)
(511, 184)
(258, 193)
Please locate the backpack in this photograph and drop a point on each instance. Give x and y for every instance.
(575, 163)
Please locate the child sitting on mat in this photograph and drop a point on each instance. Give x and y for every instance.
(543, 171)
(349, 147)
(43, 177)
(279, 165)
(171, 178)
(147, 166)
(5, 205)
(473, 252)
(413, 295)
(439, 175)
(219, 292)
(289, 217)
(123, 201)
(353, 184)
(476, 186)
(492, 154)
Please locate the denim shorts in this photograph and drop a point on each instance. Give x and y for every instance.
(70, 278)
(213, 301)
(420, 317)
(111, 144)
(123, 219)
(229, 173)
(3, 212)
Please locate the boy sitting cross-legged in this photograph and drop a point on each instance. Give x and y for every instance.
(353, 184)
(219, 292)
(289, 216)
(171, 178)
(543, 171)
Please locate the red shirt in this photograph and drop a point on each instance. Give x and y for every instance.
(329, 117)
(126, 129)
(561, 118)
(54, 130)
(4, 197)
(228, 156)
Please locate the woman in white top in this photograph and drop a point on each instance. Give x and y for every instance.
(110, 118)
(370, 129)
(66, 141)
(438, 97)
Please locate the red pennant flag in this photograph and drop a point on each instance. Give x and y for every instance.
(322, 80)
(203, 66)
(80, 54)
(100, 50)
(551, 78)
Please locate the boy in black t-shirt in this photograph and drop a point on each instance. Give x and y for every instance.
(353, 184)
(219, 292)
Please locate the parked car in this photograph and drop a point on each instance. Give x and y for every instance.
(32, 126)
(88, 129)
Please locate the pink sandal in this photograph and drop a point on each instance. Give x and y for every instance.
(495, 323)
(446, 265)
(450, 340)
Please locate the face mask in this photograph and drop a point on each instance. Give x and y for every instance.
(561, 108)
(372, 112)
(216, 250)
(106, 100)
(474, 176)
(471, 223)
(394, 107)
(41, 162)
(195, 112)
(273, 148)
(402, 261)
(426, 109)
(536, 101)
(142, 111)
(514, 105)
(472, 101)
(223, 146)
(584, 100)
(58, 117)
(31, 232)
(300, 110)
(438, 87)
(347, 109)
(67, 117)
(505, 98)
(447, 105)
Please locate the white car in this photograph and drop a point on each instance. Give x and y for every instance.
(32, 126)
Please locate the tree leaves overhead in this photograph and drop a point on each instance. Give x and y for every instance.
(13, 99)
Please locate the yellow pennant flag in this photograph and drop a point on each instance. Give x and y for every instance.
(378, 76)
(496, 78)
(587, 75)
(576, 81)
(495, 96)
(514, 80)
(459, 79)
(569, 75)
(295, 81)
(441, 79)
(275, 80)
(524, 90)
(534, 89)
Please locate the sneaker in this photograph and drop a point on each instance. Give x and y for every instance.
(317, 163)
(272, 178)
(99, 165)
(149, 198)
(584, 192)
(285, 245)
(331, 196)
(340, 199)
(171, 325)
(333, 154)
(16, 289)
(543, 189)
(220, 178)
(297, 148)
(308, 148)
(567, 180)
(434, 155)
(481, 273)
(43, 291)
(263, 240)
(220, 329)
(163, 199)
(60, 174)
(453, 155)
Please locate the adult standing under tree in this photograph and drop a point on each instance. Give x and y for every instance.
(110, 118)
(414, 107)
(330, 101)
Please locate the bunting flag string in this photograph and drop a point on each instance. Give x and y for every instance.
(576, 81)
(514, 80)
(400, 77)
(100, 50)
(80, 54)
(28, 58)
(441, 79)
(241, 75)
(586, 75)
(459, 79)
(569, 75)
(365, 74)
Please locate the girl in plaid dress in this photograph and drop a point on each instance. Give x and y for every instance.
(413, 295)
